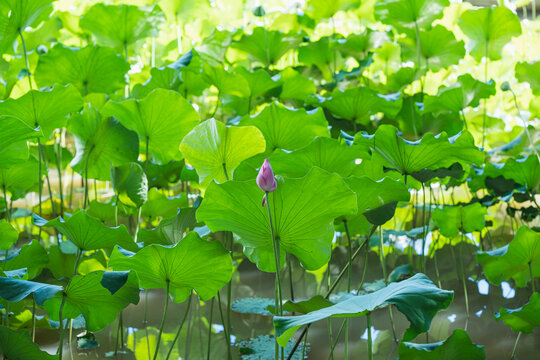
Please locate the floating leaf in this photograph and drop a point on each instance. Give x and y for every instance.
(488, 30)
(130, 184)
(88, 233)
(263, 347)
(253, 305)
(161, 120)
(92, 69)
(513, 260)
(192, 263)
(452, 220)
(524, 319)
(288, 129)
(457, 346)
(213, 149)
(100, 142)
(417, 298)
(85, 295)
(303, 211)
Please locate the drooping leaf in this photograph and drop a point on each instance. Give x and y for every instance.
(130, 184)
(407, 15)
(431, 152)
(190, 264)
(266, 46)
(303, 307)
(88, 233)
(457, 346)
(488, 30)
(302, 209)
(92, 69)
(37, 113)
(524, 319)
(513, 260)
(161, 120)
(212, 149)
(20, 178)
(170, 231)
(358, 104)
(529, 72)
(525, 172)
(417, 298)
(15, 290)
(100, 142)
(19, 345)
(13, 154)
(452, 220)
(8, 235)
(31, 256)
(121, 25)
(288, 129)
(86, 295)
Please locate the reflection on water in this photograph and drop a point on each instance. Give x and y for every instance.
(484, 301)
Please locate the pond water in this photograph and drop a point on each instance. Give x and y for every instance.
(484, 301)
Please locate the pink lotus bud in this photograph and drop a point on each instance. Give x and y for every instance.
(265, 179)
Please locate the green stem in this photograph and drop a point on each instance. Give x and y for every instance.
(51, 198)
(229, 300)
(513, 356)
(179, 328)
(532, 278)
(162, 319)
(424, 228)
(225, 329)
(33, 319)
(8, 214)
(369, 340)
(335, 342)
(61, 341)
(349, 253)
(381, 256)
(525, 125)
(485, 100)
(210, 328)
(137, 224)
(289, 268)
(59, 168)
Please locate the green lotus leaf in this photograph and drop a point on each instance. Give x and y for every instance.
(192, 263)
(513, 260)
(432, 152)
(20, 178)
(466, 92)
(439, 48)
(263, 347)
(161, 120)
(358, 104)
(160, 78)
(253, 305)
(451, 220)
(295, 85)
(60, 264)
(303, 307)
(19, 345)
(88, 233)
(92, 69)
(321, 9)
(457, 346)
(159, 205)
(13, 154)
(170, 231)
(488, 30)
(524, 319)
(213, 148)
(31, 256)
(87, 296)
(37, 113)
(524, 171)
(288, 129)
(100, 142)
(17, 15)
(303, 211)
(266, 46)
(227, 83)
(529, 72)
(15, 290)
(320, 53)
(326, 153)
(417, 298)
(118, 26)
(259, 81)
(184, 10)
(8, 235)
(130, 184)
(408, 15)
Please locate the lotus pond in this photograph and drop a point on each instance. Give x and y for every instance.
(234, 179)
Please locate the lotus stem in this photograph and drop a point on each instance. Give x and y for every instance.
(61, 326)
(513, 356)
(334, 343)
(179, 328)
(163, 319)
(210, 327)
(369, 339)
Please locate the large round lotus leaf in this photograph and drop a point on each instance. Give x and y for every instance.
(130, 184)
(213, 149)
(524, 319)
(452, 220)
(457, 346)
(15, 290)
(87, 295)
(31, 256)
(88, 233)
(191, 264)
(90, 69)
(488, 30)
(303, 211)
(161, 120)
(512, 261)
(417, 298)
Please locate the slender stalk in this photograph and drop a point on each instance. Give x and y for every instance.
(525, 125)
(335, 342)
(137, 224)
(59, 168)
(381, 256)
(424, 228)
(349, 254)
(33, 319)
(225, 329)
(485, 100)
(188, 336)
(163, 319)
(51, 198)
(330, 336)
(61, 341)
(513, 356)
(179, 328)
(369, 340)
(8, 213)
(147, 156)
(532, 278)
(229, 299)
(210, 328)
(289, 268)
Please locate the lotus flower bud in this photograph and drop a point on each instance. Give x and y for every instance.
(265, 178)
